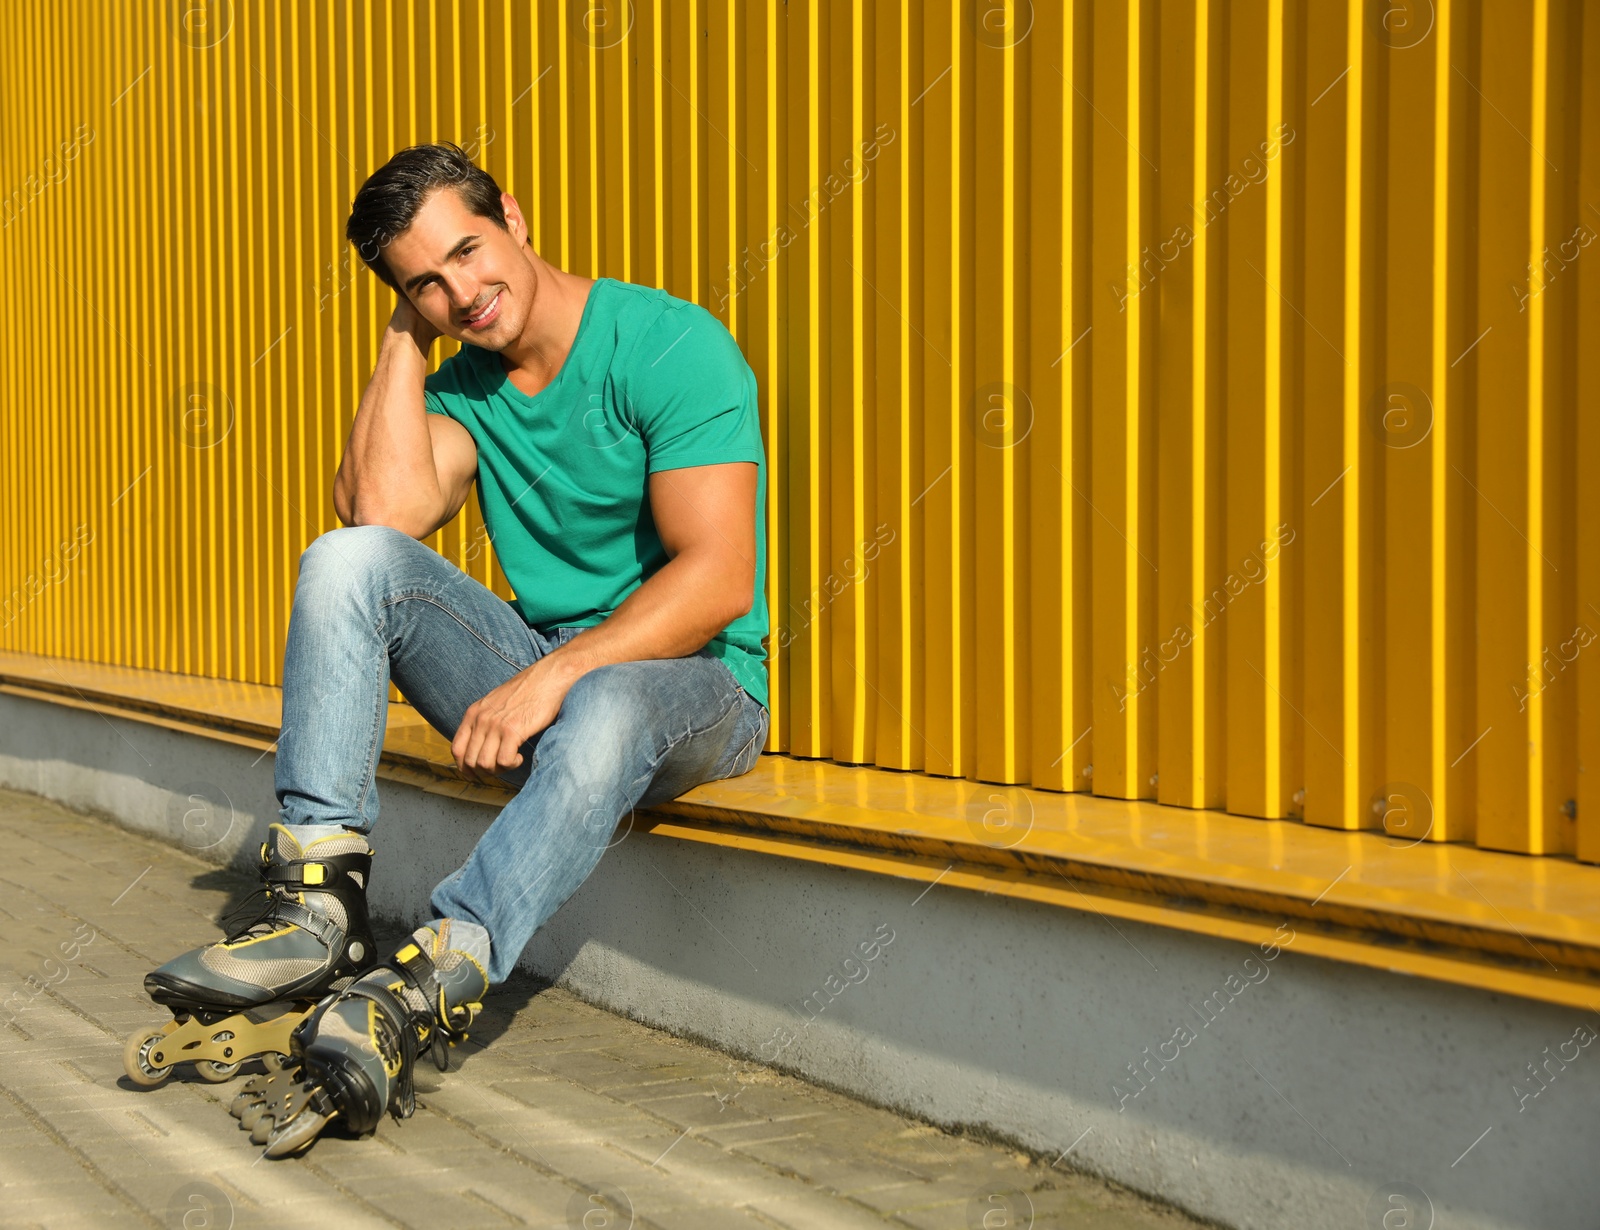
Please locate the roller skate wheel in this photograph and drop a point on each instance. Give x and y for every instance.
(295, 1135)
(246, 1098)
(274, 1062)
(257, 1092)
(135, 1061)
(216, 1073)
(261, 1127)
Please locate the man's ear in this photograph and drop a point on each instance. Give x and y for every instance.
(515, 222)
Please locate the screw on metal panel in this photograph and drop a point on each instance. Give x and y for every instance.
(1088, 770)
(1300, 796)
(1569, 809)
(1154, 778)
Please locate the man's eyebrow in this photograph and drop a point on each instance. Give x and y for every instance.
(450, 255)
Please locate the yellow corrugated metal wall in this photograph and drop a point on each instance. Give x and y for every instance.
(1172, 399)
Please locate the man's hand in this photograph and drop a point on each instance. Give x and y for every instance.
(497, 725)
(406, 319)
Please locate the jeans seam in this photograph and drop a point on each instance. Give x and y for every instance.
(740, 755)
(760, 736)
(673, 742)
(369, 768)
(423, 596)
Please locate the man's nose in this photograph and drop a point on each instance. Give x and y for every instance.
(463, 293)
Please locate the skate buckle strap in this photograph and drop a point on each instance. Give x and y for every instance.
(449, 1024)
(402, 1095)
(297, 875)
(280, 907)
(320, 925)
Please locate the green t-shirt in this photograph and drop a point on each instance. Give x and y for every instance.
(652, 382)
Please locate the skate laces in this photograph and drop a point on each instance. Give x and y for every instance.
(253, 916)
(410, 1009)
(404, 1100)
(394, 1038)
(438, 1023)
(430, 1019)
(286, 896)
(397, 1044)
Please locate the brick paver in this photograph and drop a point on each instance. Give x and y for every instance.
(568, 1117)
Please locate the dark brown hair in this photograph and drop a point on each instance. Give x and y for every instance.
(388, 202)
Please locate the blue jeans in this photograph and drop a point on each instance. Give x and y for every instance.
(373, 603)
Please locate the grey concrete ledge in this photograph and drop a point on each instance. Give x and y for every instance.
(1256, 1089)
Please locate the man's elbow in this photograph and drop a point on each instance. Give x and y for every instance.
(724, 610)
(742, 599)
(341, 500)
(723, 589)
(406, 521)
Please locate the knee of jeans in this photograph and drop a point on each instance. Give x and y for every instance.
(348, 556)
(607, 725)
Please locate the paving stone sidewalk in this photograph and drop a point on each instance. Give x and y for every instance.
(561, 1115)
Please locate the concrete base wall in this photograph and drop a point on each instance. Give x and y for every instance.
(1290, 1092)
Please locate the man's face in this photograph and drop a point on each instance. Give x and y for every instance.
(468, 278)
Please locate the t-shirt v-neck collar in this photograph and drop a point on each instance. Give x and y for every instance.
(499, 379)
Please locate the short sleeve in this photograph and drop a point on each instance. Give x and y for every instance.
(691, 393)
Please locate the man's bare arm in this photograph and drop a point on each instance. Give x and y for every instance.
(706, 517)
(402, 466)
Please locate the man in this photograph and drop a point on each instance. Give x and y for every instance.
(612, 431)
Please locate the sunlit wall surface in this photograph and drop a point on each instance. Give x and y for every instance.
(1171, 400)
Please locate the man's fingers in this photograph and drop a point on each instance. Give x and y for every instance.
(509, 753)
(489, 754)
(486, 744)
(475, 744)
(474, 730)
(499, 749)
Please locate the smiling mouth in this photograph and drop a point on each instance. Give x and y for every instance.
(489, 309)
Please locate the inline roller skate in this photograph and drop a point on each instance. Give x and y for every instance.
(355, 1055)
(304, 935)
